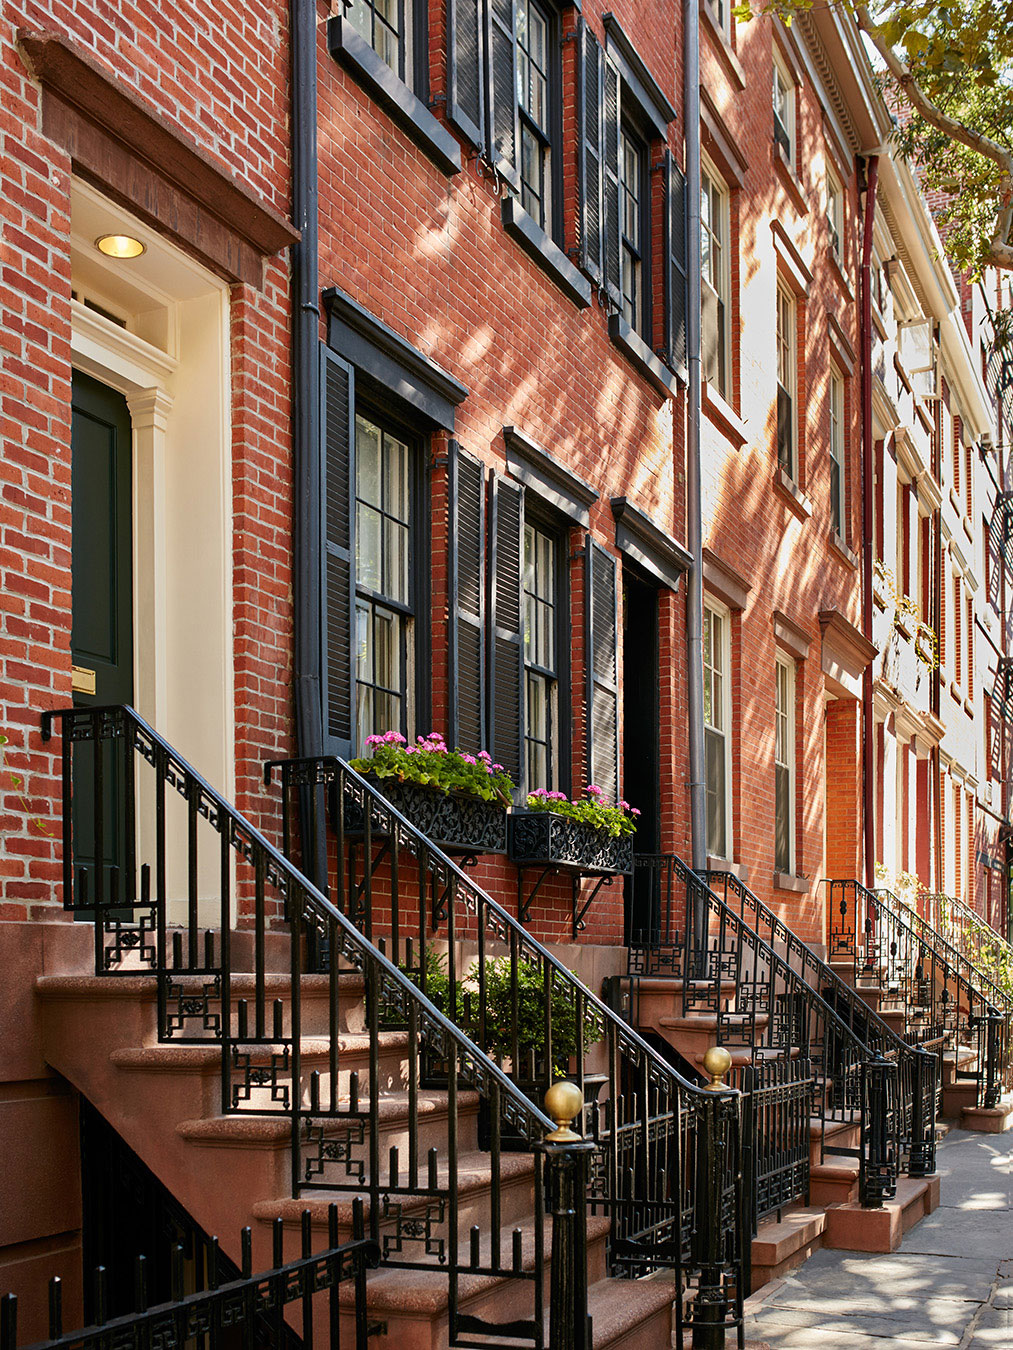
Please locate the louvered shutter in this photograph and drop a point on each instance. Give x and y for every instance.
(589, 140)
(466, 566)
(675, 272)
(501, 87)
(602, 670)
(611, 214)
(466, 68)
(337, 496)
(505, 665)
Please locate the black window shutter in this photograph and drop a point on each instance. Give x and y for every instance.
(466, 68)
(504, 126)
(505, 664)
(675, 272)
(589, 139)
(337, 499)
(611, 123)
(466, 569)
(602, 669)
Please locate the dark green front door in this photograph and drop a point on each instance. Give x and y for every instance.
(102, 644)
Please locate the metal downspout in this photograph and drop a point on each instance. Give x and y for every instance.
(306, 411)
(868, 515)
(694, 518)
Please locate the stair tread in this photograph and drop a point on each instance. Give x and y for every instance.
(425, 1289)
(168, 1056)
(250, 1127)
(616, 1306)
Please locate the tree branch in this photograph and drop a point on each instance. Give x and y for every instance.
(1000, 250)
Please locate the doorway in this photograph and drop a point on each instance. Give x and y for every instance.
(102, 640)
(641, 752)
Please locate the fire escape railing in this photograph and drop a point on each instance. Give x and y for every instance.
(919, 977)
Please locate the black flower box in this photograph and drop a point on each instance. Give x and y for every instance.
(543, 838)
(455, 822)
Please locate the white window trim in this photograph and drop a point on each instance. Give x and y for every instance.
(788, 665)
(792, 388)
(835, 192)
(725, 615)
(781, 68)
(837, 417)
(725, 271)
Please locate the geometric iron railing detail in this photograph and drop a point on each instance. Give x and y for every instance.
(656, 1135)
(987, 952)
(248, 1311)
(714, 942)
(919, 1080)
(920, 978)
(327, 1009)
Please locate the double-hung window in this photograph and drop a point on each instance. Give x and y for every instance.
(835, 216)
(837, 475)
(387, 26)
(786, 380)
(541, 656)
(633, 211)
(384, 613)
(534, 28)
(784, 764)
(717, 722)
(784, 110)
(716, 282)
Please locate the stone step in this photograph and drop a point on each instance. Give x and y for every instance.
(833, 1183)
(856, 1229)
(783, 1244)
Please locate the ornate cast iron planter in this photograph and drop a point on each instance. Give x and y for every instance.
(455, 822)
(544, 839)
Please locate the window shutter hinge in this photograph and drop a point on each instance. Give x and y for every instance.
(437, 101)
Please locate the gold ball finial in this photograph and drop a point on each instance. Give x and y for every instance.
(717, 1061)
(564, 1102)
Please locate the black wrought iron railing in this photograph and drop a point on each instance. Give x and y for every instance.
(277, 1309)
(652, 1128)
(736, 962)
(919, 1081)
(922, 980)
(987, 952)
(396, 1071)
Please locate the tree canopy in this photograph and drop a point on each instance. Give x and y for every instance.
(951, 64)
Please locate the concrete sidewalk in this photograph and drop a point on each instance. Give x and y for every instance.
(949, 1284)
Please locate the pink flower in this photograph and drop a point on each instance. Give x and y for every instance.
(411, 749)
(593, 790)
(469, 759)
(497, 768)
(375, 740)
(624, 806)
(556, 796)
(634, 811)
(392, 738)
(539, 792)
(485, 757)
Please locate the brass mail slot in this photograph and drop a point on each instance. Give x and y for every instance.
(82, 680)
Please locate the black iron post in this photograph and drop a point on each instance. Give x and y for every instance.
(566, 1157)
(713, 1242)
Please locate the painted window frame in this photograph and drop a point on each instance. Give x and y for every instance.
(835, 216)
(786, 125)
(838, 402)
(555, 674)
(787, 349)
(411, 66)
(715, 610)
(719, 214)
(784, 753)
(634, 251)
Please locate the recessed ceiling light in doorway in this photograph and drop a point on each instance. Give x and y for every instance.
(119, 246)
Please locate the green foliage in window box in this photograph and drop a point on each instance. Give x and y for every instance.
(429, 763)
(592, 808)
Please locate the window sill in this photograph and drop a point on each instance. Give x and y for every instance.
(789, 178)
(788, 881)
(839, 547)
(739, 870)
(722, 47)
(397, 100)
(640, 356)
(545, 253)
(792, 494)
(839, 275)
(723, 415)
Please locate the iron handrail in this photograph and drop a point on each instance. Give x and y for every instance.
(332, 1128)
(920, 1077)
(653, 1121)
(795, 1017)
(913, 968)
(951, 918)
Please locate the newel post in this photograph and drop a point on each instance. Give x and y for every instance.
(714, 1245)
(566, 1163)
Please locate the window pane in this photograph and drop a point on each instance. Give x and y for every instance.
(367, 461)
(367, 547)
(716, 793)
(782, 819)
(395, 581)
(387, 657)
(363, 643)
(395, 454)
